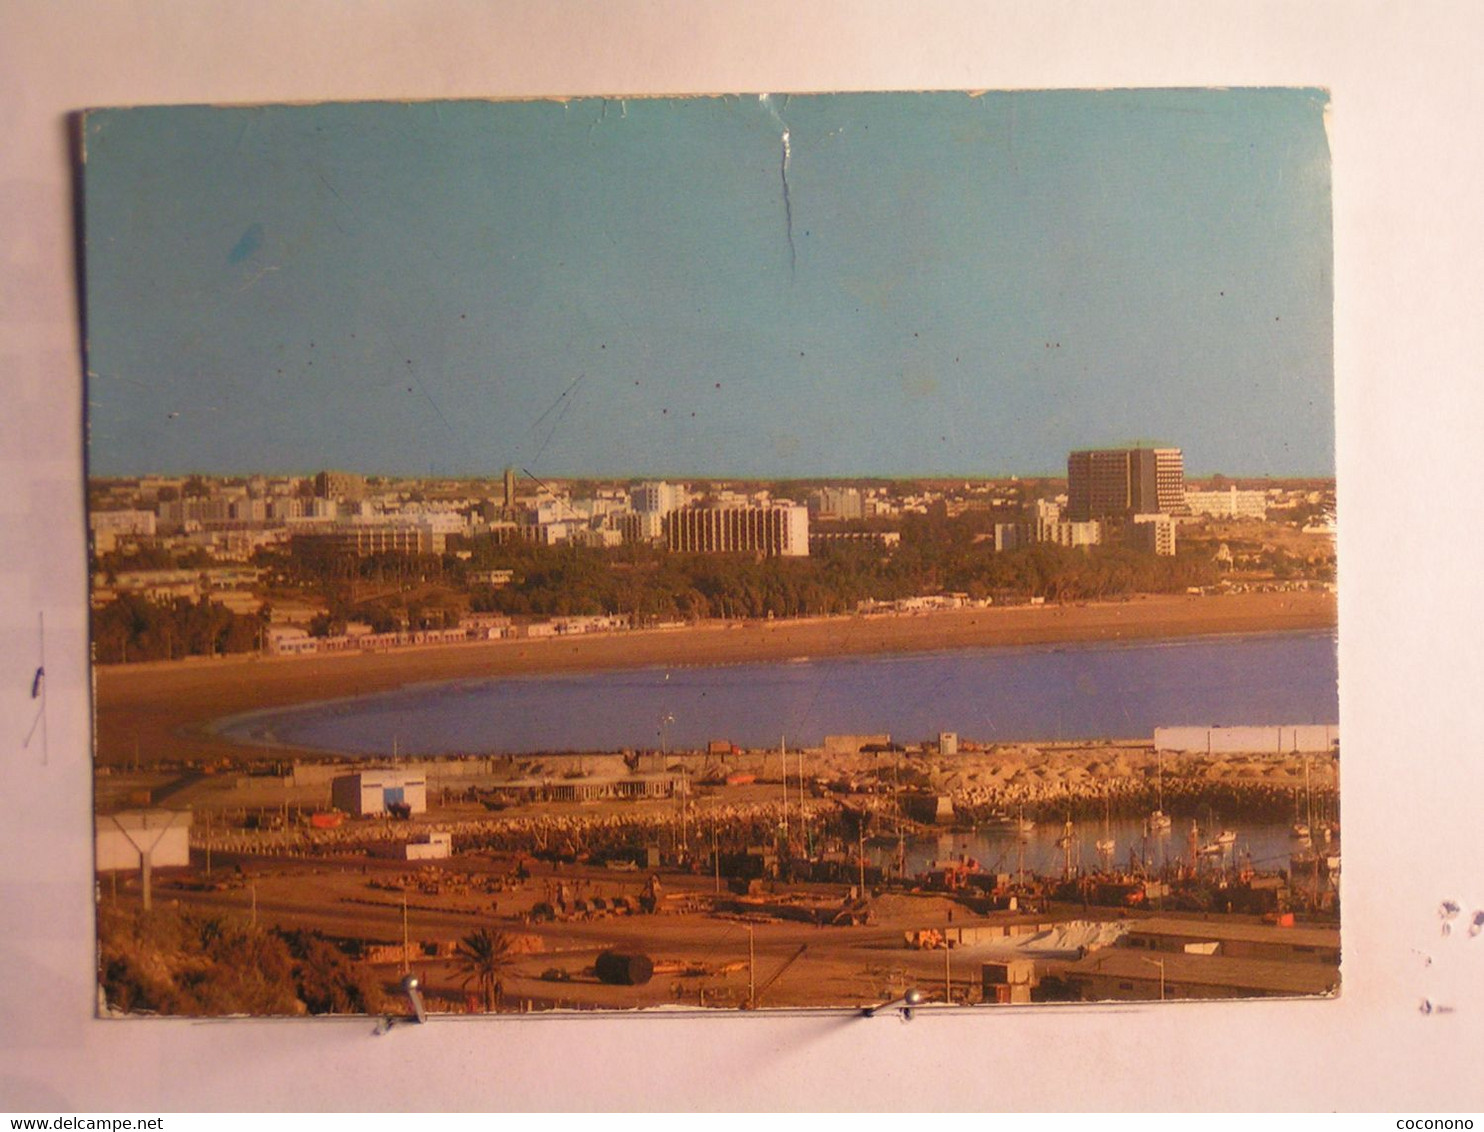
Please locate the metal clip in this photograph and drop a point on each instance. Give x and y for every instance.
(903, 1005)
(412, 988)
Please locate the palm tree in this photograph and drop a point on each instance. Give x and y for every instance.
(479, 958)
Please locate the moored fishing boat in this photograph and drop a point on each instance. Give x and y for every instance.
(1158, 822)
(1106, 845)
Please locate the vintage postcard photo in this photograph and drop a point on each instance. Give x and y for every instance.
(715, 553)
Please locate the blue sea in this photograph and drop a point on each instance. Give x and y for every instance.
(1039, 692)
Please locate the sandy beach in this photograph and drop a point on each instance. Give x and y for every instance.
(163, 711)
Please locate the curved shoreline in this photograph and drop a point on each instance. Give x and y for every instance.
(435, 720)
(166, 711)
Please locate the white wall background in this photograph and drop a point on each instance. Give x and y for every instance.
(1406, 94)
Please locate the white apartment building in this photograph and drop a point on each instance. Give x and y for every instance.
(657, 498)
(1087, 533)
(837, 503)
(122, 522)
(1229, 504)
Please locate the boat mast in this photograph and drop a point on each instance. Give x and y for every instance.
(1308, 796)
(803, 813)
(783, 754)
(1159, 777)
(896, 805)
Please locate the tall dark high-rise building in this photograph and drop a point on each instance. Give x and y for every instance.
(349, 486)
(1107, 482)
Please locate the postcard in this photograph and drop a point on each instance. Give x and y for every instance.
(747, 552)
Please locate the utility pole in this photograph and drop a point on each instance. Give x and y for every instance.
(896, 807)
(405, 966)
(947, 970)
(1160, 963)
(751, 970)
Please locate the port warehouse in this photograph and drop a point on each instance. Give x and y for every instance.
(1193, 958)
(1167, 935)
(1118, 973)
(1236, 940)
(590, 789)
(1285, 740)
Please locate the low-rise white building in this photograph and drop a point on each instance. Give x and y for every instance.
(377, 789)
(111, 527)
(1088, 532)
(437, 847)
(1229, 504)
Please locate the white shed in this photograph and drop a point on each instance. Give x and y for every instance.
(377, 789)
(437, 847)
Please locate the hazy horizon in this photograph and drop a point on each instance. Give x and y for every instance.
(679, 477)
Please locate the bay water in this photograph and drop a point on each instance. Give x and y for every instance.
(1088, 690)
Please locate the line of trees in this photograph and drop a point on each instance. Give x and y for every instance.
(659, 586)
(936, 554)
(134, 628)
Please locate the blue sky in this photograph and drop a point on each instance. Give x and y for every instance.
(950, 285)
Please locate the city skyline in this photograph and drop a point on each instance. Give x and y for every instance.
(818, 287)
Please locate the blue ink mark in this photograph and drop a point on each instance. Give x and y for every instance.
(251, 240)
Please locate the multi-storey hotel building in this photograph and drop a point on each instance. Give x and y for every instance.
(777, 529)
